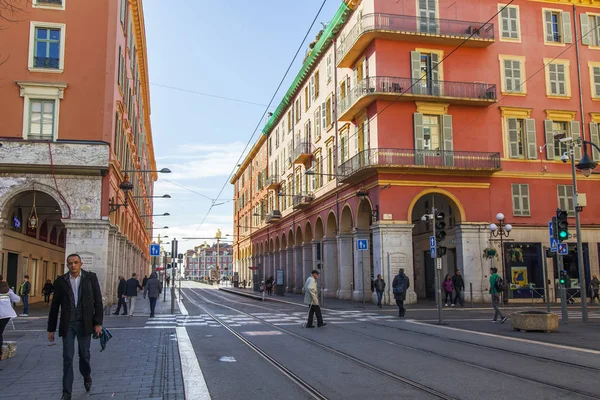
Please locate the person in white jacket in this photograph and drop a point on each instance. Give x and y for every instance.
(311, 298)
(7, 312)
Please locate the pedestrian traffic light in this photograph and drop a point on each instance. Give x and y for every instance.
(440, 225)
(441, 251)
(563, 277)
(562, 225)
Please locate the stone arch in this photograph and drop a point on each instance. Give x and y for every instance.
(291, 241)
(283, 241)
(13, 193)
(331, 227)
(308, 234)
(271, 245)
(346, 219)
(363, 214)
(298, 235)
(453, 200)
(319, 229)
(276, 248)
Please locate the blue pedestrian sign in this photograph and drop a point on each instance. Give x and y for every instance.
(154, 249)
(553, 244)
(432, 247)
(563, 249)
(551, 229)
(362, 244)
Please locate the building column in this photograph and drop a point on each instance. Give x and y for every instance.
(307, 259)
(282, 265)
(330, 268)
(392, 250)
(289, 270)
(362, 268)
(111, 279)
(298, 270)
(470, 240)
(345, 265)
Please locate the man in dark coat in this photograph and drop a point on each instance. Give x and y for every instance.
(131, 291)
(152, 289)
(144, 281)
(400, 286)
(121, 294)
(78, 297)
(459, 286)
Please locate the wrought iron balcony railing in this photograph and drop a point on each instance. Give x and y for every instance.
(46, 62)
(273, 216)
(475, 91)
(302, 200)
(415, 26)
(58, 2)
(272, 182)
(381, 158)
(303, 152)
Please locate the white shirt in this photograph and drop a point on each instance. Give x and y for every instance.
(75, 286)
(6, 309)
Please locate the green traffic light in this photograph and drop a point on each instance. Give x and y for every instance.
(563, 234)
(562, 281)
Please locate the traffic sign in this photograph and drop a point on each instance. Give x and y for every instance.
(439, 263)
(551, 229)
(432, 247)
(154, 249)
(362, 244)
(563, 249)
(553, 244)
(431, 241)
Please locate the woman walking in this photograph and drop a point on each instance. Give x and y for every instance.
(6, 310)
(152, 289)
(448, 288)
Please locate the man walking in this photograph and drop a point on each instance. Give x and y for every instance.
(311, 298)
(131, 290)
(121, 294)
(379, 285)
(496, 288)
(144, 281)
(400, 285)
(459, 287)
(24, 290)
(153, 289)
(77, 295)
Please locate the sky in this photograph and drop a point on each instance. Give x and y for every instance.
(199, 49)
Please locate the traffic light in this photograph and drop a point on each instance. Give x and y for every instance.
(562, 225)
(441, 251)
(440, 225)
(562, 277)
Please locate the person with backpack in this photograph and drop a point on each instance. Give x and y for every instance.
(400, 286)
(496, 287)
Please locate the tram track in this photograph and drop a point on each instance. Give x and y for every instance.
(287, 372)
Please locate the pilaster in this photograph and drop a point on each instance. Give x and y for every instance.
(470, 242)
(330, 268)
(298, 272)
(289, 270)
(346, 266)
(362, 268)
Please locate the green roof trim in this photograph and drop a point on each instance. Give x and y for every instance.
(336, 24)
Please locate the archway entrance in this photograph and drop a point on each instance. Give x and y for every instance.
(425, 266)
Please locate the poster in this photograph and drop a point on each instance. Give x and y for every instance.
(519, 277)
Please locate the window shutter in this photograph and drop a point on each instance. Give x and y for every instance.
(508, 75)
(548, 20)
(504, 22)
(576, 133)
(435, 74)
(356, 139)
(513, 137)
(525, 200)
(569, 200)
(419, 139)
(585, 27)
(415, 64)
(448, 142)
(595, 139)
(566, 26)
(516, 75)
(561, 197)
(596, 76)
(561, 80)
(324, 115)
(531, 139)
(516, 196)
(548, 129)
(514, 22)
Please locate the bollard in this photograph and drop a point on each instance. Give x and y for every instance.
(471, 292)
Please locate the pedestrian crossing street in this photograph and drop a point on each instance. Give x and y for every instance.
(278, 319)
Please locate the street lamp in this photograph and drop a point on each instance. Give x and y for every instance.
(164, 196)
(164, 227)
(502, 230)
(162, 171)
(363, 195)
(126, 186)
(156, 215)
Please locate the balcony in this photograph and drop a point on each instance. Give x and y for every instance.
(410, 28)
(364, 163)
(273, 182)
(402, 89)
(273, 217)
(303, 153)
(57, 2)
(301, 201)
(46, 62)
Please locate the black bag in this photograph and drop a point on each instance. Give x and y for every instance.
(499, 285)
(400, 287)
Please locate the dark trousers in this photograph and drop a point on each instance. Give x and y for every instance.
(47, 298)
(401, 309)
(315, 309)
(25, 300)
(3, 323)
(123, 303)
(76, 330)
(152, 305)
(458, 297)
(379, 297)
(595, 296)
(448, 296)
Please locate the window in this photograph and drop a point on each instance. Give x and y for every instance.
(521, 138)
(329, 67)
(509, 23)
(315, 85)
(298, 109)
(565, 199)
(123, 13)
(327, 113)
(330, 171)
(512, 70)
(426, 72)
(560, 124)
(290, 121)
(276, 138)
(318, 123)
(46, 47)
(344, 147)
(557, 78)
(431, 132)
(561, 130)
(50, 4)
(41, 119)
(307, 132)
(590, 29)
(121, 67)
(557, 27)
(41, 109)
(595, 79)
(433, 138)
(520, 196)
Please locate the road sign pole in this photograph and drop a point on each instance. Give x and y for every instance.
(563, 293)
(545, 276)
(438, 293)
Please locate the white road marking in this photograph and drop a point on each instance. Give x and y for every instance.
(227, 359)
(193, 379)
(182, 308)
(262, 333)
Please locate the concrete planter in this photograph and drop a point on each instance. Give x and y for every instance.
(534, 321)
(9, 349)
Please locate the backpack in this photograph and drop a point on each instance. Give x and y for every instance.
(400, 287)
(499, 284)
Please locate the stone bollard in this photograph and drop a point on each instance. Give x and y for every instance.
(9, 349)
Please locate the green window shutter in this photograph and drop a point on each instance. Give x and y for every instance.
(596, 76)
(324, 115)
(562, 197)
(576, 133)
(516, 196)
(566, 26)
(448, 140)
(508, 76)
(419, 139)
(516, 75)
(415, 65)
(504, 22)
(585, 27)
(513, 137)
(561, 80)
(595, 139)
(548, 129)
(548, 21)
(569, 200)
(525, 200)
(531, 139)
(435, 74)
(513, 13)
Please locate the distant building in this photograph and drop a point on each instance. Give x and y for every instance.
(206, 261)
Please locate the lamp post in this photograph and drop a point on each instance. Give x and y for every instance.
(502, 230)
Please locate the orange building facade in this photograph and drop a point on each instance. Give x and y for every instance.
(405, 106)
(75, 114)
